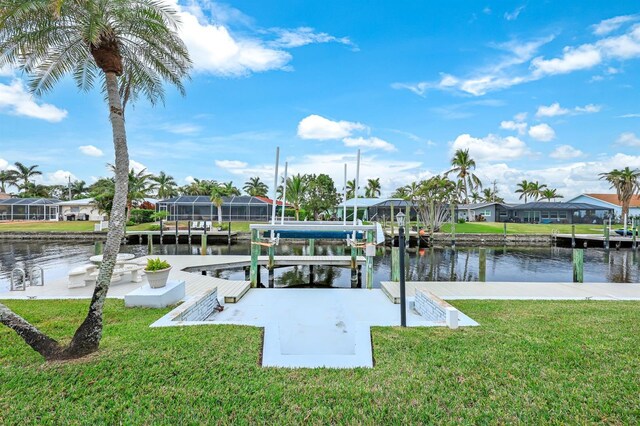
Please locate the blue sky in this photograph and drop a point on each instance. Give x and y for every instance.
(535, 90)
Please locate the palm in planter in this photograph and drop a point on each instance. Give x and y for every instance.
(157, 271)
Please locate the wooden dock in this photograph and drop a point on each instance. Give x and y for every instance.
(170, 236)
(595, 240)
(339, 261)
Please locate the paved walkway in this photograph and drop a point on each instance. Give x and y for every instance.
(315, 327)
(451, 290)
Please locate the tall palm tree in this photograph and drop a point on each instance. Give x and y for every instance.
(536, 189)
(373, 188)
(79, 188)
(255, 187)
(229, 189)
(199, 187)
(296, 191)
(7, 178)
(401, 192)
(626, 182)
(131, 47)
(523, 189)
(550, 194)
(462, 165)
(25, 173)
(166, 185)
(351, 189)
(217, 192)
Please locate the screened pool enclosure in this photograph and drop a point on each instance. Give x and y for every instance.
(29, 209)
(200, 207)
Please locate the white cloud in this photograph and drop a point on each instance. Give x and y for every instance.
(491, 148)
(573, 58)
(555, 110)
(189, 179)
(521, 128)
(628, 139)
(320, 128)
(369, 143)
(552, 110)
(136, 166)
(290, 38)
(512, 16)
(608, 25)
(231, 164)
(15, 99)
(520, 117)
(542, 132)
(4, 164)
(635, 115)
(565, 152)
(182, 128)
(91, 150)
(59, 177)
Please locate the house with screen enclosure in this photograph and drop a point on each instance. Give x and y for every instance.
(235, 208)
(29, 209)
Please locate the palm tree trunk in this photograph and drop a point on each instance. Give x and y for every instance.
(219, 215)
(87, 338)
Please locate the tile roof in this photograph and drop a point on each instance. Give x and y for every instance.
(613, 199)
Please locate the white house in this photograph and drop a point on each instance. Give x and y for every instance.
(609, 201)
(82, 209)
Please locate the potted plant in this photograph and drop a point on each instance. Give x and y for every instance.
(157, 271)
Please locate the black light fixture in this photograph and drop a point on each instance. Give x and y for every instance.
(400, 217)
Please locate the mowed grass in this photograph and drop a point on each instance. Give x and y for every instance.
(522, 228)
(46, 226)
(529, 362)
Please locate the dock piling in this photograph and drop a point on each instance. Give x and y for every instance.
(189, 231)
(255, 252)
(578, 265)
(370, 252)
(203, 244)
(482, 268)
(271, 265)
(395, 264)
(573, 236)
(97, 248)
(606, 237)
(150, 243)
(161, 231)
(633, 233)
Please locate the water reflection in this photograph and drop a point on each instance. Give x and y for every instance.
(543, 264)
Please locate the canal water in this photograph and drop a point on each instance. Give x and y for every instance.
(539, 264)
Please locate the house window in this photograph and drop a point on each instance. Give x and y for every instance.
(485, 213)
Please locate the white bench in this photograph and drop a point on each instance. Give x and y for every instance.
(132, 271)
(78, 275)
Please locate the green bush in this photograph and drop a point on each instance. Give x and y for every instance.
(131, 223)
(142, 215)
(154, 227)
(462, 220)
(156, 264)
(156, 216)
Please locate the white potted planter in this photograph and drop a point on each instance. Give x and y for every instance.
(157, 273)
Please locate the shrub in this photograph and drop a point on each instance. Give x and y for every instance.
(461, 220)
(131, 223)
(154, 227)
(156, 264)
(156, 216)
(142, 215)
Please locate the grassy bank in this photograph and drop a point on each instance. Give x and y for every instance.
(522, 228)
(529, 361)
(461, 228)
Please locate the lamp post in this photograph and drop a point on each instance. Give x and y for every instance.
(403, 301)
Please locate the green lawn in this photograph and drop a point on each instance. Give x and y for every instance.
(71, 226)
(521, 228)
(529, 362)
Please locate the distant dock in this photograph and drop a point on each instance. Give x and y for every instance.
(181, 236)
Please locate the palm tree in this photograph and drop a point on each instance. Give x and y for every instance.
(255, 187)
(199, 187)
(536, 189)
(7, 178)
(79, 188)
(33, 190)
(351, 189)
(373, 188)
(461, 165)
(491, 196)
(229, 189)
(626, 183)
(166, 185)
(401, 192)
(524, 189)
(550, 194)
(132, 48)
(476, 197)
(296, 191)
(217, 193)
(25, 173)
